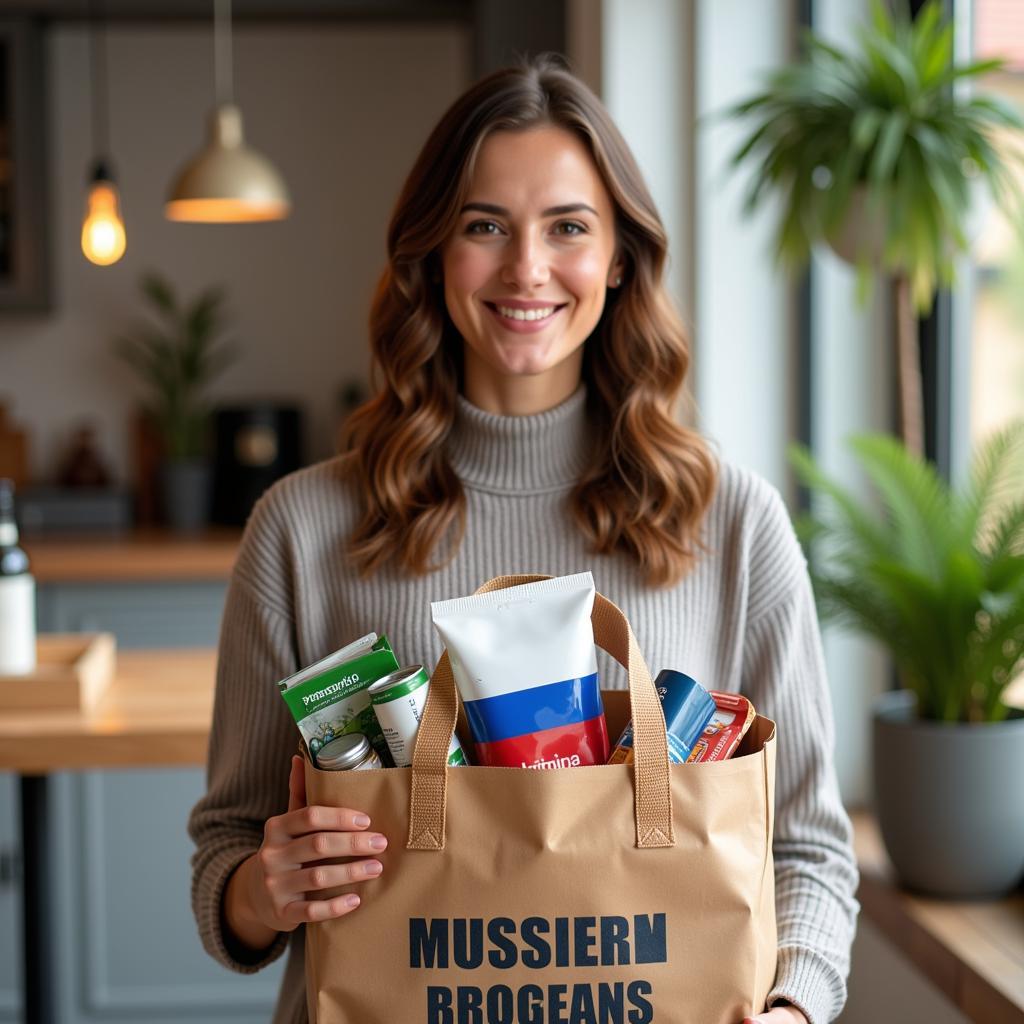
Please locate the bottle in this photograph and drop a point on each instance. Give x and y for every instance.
(17, 594)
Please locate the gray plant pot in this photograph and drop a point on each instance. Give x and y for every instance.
(949, 799)
(185, 484)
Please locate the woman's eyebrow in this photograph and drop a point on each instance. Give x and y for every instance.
(551, 211)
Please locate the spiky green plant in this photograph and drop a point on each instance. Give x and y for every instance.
(936, 574)
(177, 358)
(884, 118)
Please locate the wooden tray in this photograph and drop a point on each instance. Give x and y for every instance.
(72, 672)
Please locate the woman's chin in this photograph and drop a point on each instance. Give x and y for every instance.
(519, 360)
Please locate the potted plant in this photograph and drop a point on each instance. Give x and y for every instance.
(177, 357)
(876, 152)
(937, 575)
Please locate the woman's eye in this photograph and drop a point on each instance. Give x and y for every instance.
(482, 225)
(578, 229)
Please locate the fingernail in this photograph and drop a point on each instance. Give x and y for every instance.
(373, 867)
(360, 820)
(378, 843)
(351, 900)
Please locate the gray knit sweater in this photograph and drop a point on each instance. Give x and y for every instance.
(743, 620)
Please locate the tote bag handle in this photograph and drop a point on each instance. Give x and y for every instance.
(651, 785)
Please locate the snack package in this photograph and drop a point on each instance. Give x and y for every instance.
(688, 708)
(525, 665)
(731, 719)
(329, 698)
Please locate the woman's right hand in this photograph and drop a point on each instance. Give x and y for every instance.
(275, 890)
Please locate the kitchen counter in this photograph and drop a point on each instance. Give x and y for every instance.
(156, 711)
(140, 555)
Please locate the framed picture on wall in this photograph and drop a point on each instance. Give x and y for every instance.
(24, 264)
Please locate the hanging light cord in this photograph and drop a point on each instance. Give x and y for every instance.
(222, 52)
(98, 56)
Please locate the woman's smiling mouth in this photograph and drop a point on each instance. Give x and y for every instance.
(524, 320)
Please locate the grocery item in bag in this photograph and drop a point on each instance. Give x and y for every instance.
(348, 752)
(688, 708)
(731, 719)
(330, 698)
(525, 665)
(398, 701)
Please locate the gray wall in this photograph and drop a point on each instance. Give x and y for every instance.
(341, 111)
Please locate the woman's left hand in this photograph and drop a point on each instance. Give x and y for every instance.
(778, 1015)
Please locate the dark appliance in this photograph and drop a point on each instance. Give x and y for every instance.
(256, 444)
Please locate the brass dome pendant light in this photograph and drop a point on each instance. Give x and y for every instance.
(227, 182)
(103, 235)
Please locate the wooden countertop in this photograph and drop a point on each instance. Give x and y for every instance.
(135, 557)
(156, 711)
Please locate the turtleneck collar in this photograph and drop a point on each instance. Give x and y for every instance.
(521, 454)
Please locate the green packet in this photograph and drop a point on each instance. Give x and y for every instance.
(329, 698)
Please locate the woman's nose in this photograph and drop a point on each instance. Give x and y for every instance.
(526, 264)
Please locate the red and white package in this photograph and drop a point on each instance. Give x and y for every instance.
(731, 719)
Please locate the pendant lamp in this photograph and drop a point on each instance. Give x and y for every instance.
(103, 234)
(227, 182)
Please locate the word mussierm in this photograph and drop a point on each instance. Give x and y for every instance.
(538, 943)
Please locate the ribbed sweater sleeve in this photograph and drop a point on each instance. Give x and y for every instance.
(815, 872)
(252, 737)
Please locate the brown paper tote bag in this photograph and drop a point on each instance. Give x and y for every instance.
(611, 894)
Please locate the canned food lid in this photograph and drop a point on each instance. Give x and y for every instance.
(344, 751)
(408, 674)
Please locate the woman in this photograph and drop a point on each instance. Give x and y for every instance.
(529, 363)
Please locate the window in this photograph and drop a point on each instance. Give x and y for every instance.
(996, 390)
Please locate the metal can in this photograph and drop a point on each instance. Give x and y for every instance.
(349, 752)
(398, 701)
(687, 707)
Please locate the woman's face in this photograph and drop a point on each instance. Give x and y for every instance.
(527, 268)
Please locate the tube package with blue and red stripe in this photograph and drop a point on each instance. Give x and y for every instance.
(525, 665)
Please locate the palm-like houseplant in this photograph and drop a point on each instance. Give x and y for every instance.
(875, 151)
(937, 575)
(177, 354)
(177, 358)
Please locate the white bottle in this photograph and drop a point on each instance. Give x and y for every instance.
(17, 594)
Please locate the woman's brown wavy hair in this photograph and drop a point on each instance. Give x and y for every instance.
(650, 480)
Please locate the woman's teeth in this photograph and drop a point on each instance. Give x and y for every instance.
(526, 314)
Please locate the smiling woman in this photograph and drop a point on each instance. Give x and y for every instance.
(526, 256)
(528, 361)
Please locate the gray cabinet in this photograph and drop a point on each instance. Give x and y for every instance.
(138, 614)
(126, 943)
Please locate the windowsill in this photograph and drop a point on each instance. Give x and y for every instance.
(972, 951)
